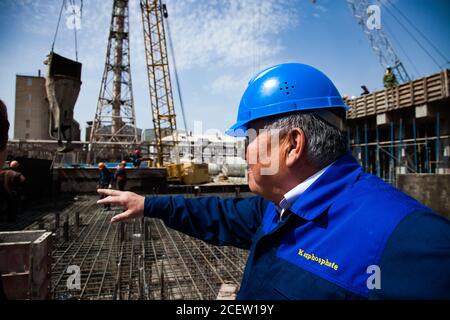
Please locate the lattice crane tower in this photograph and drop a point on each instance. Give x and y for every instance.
(115, 119)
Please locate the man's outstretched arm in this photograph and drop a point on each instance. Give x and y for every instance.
(231, 221)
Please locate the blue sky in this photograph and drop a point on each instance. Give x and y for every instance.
(219, 46)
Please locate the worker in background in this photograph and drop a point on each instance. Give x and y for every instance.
(4, 128)
(105, 180)
(319, 226)
(365, 90)
(12, 189)
(136, 158)
(120, 176)
(389, 79)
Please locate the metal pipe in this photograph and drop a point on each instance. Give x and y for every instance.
(415, 144)
(141, 278)
(400, 135)
(391, 159)
(366, 147)
(66, 229)
(378, 152)
(404, 140)
(121, 232)
(427, 162)
(163, 288)
(358, 149)
(438, 142)
(77, 219)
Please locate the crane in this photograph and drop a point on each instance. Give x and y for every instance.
(378, 40)
(115, 120)
(158, 72)
(115, 116)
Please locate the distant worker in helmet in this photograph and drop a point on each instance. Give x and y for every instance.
(11, 187)
(120, 176)
(136, 158)
(105, 180)
(319, 227)
(389, 79)
(11, 179)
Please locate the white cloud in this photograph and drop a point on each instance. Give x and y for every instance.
(321, 8)
(228, 33)
(228, 83)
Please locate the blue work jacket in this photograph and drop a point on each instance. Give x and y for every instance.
(348, 236)
(105, 178)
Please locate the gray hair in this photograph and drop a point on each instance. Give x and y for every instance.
(324, 142)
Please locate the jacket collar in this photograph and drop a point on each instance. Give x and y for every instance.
(327, 188)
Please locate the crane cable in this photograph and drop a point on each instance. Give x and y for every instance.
(420, 32)
(177, 81)
(412, 36)
(392, 35)
(57, 25)
(72, 3)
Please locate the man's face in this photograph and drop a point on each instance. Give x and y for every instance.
(264, 158)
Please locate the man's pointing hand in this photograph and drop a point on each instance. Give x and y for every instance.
(132, 203)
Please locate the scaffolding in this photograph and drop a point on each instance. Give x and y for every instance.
(404, 129)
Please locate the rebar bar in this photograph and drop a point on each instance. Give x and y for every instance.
(138, 259)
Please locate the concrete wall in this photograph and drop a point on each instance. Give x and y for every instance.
(433, 190)
(74, 180)
(39, 179)
(25, 264)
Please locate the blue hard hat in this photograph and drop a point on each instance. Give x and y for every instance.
(285, 88)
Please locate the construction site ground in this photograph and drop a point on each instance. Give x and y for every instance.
(138, 259)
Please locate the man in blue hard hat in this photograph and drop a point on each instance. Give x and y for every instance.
(319, 227)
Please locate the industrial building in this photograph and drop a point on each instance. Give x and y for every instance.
(31, 120)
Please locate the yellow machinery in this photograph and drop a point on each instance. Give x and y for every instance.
(188, 173)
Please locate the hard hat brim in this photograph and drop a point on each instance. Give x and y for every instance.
(240, 127)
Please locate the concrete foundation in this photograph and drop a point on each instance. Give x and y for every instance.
(431, 190)
(76, 180)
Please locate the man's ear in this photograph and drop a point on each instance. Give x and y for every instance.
(295, 146)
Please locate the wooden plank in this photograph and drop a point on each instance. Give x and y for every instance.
(414, 93)
(27, 263)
